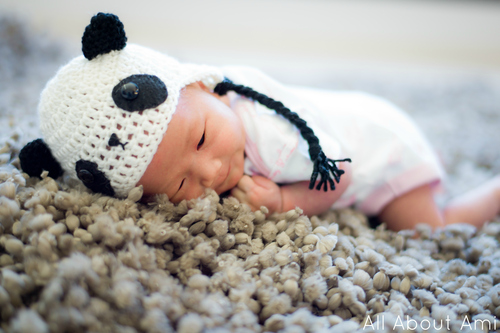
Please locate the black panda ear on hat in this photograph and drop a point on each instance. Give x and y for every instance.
(36, 157)
(104, 34)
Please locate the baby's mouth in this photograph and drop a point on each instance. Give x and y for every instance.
(230, 178)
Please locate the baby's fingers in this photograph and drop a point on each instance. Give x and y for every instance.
(242, 197)
(238, 194)
(245, 184)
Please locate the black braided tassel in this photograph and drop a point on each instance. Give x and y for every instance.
(323, 166)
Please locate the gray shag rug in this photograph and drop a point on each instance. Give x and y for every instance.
(72, 261)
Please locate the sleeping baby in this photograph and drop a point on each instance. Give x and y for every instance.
(123, 115)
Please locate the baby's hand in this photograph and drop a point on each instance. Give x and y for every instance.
(258, 191)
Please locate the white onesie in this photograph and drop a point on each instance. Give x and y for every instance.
(390, 156)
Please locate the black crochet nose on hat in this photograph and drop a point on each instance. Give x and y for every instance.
(104, 34)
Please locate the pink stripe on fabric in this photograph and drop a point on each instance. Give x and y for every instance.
(280, 164)
(253, 155)
(375, 202)
(345, 202)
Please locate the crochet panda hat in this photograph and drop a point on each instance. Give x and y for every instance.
(104, 114)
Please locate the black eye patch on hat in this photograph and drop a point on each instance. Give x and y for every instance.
(92, 178)
(139, 92)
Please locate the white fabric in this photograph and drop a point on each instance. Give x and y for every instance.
(78, 114)
(390, 156)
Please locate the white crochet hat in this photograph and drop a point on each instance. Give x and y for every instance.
(103, 115)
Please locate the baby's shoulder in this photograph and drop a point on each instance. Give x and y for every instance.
(316, 104)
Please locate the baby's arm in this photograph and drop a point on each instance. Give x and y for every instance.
(259, 191)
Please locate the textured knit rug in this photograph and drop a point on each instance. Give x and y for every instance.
(72, 261)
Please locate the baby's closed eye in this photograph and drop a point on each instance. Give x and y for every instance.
(201, 142)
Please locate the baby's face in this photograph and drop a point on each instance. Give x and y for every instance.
(202, 148)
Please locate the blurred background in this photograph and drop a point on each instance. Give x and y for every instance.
(437, 59)
(302, 36)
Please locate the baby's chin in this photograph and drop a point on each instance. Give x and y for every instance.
(231, 183)
(235, 174)
(227, 190)
(228, 187)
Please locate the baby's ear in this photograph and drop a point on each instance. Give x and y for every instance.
(202, 86)
(36, 157)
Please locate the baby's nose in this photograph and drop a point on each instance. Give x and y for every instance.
(209, 172)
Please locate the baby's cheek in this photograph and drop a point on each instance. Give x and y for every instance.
(194, 192)
(235, 179)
